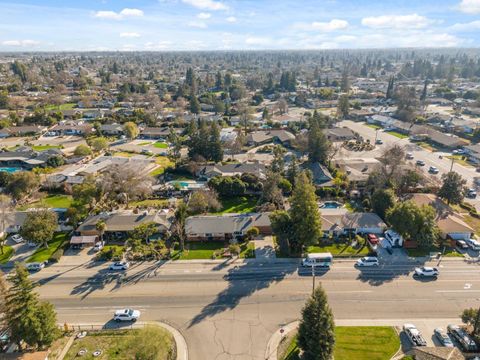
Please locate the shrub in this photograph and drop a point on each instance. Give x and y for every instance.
(234, 249)
(111, 253)
(253, 232)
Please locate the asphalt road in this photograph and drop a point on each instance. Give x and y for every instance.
(431, 158)
(229, 311)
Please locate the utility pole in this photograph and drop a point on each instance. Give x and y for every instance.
(313, 279)
(451, 166)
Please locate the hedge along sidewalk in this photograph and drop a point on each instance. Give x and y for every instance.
(180, 342)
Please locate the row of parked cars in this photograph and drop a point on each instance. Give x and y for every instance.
(454, 335)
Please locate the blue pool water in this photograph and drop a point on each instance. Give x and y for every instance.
(10, 169)
(331, 205)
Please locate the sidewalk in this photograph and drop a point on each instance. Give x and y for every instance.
(265, 249)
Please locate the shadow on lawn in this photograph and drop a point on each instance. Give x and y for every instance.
(243, 281)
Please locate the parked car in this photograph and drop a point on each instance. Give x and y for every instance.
(473, 244)
(99, 246)
(426, 271)
(394, 238)
(379, 142)
(367, 261)
(433, 170)
(462, 244)
(119, 265)
(420, 163)
(126, 315)
(17, 238)
(471, 194)
(31, 244)
(414, 335)
(458, 152)
(35, 266)
(372, 239)
(443, 337)
(462, 337)
(409, 156)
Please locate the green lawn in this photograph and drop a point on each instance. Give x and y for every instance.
(67, 106)
(161, 145)
(124, 345)
(43, 254)
(356, 342)
(241, 204)
(124, 154)
(164, 163)
(374, 126)
(427, 146)
(7, 254)
(144, 143)
(45, 147)
(199, 250)
(51, 201)
(449, 252)
(247, 250)
(156, 203)
(460, 159)
(397, 134)
(340, 250)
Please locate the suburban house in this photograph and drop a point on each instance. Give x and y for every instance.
(155, 133)
(339, 221)
(26, 158)
(225, 227)
(262, 137)
(473, 153)
(450, 223)
(210, 171)
(119, 224)
(111, 129)
(320, 174)
(26, 130)
(382, 120)
(340, 134)
(78, 128)
(357, 170)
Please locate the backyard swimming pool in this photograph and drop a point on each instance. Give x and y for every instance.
(10, 169)
(331, 205)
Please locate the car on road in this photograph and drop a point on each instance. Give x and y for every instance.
(35, 266)
(420, 163)
(471, 194)
(443, 337)
(98, 246)
(473, 244)
(426, 271)
(414, 335)
(462, 244)
(318, 260)
(458, 152)
(126, 315)
(462, 337)
(119, 265)
(17, 238)
(367, 261)
(433, 170)
(409, 156)
(379, 142)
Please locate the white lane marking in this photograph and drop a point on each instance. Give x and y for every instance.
(467, 286)
(456, 291)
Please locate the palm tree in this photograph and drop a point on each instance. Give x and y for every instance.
(101, 227)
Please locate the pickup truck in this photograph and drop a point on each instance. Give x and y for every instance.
(414, 335)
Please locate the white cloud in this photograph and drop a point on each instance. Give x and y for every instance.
(112, 15)
(21, 43)
(231, 19)
(412, 21)
(258, 41)
(471, 26)
(204, 16)
(197, 24)
(129, 35)
(207, 4)
(332, 25)
(470, 6)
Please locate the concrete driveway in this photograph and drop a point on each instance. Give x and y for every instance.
(22, 252)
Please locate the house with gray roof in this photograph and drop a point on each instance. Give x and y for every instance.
(262, 137)
(210, 171)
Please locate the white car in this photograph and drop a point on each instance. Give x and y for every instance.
(368, 261)
(426, 271)
(98, 246)
(119, 265)
(409, 156)
(414, 335)
(35, 266)
(126, 315)
(473, 244)
(17, 238)
(433, 170)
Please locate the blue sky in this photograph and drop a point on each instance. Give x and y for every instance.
(54, 25)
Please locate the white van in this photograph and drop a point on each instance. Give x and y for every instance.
(394, 238)
(318, 259)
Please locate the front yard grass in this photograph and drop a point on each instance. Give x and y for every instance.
(160, 145)
(427, 146)
(460, 159)
(6, 253)
(45, 147)
(340, 249)
(164, 163)
(354, 342)
(373, 126)
(199, 250)
(241, 204)
(124, 345)
(247, 250)
(419, 252)
(154, 203)
(124, 154)
(43, 254)
(397, 134)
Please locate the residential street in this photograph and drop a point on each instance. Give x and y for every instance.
(419, 153)
(229, 311)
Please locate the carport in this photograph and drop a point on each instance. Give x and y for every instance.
(83, 240)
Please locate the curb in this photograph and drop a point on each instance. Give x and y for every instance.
(180, 342)
(276, 339)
